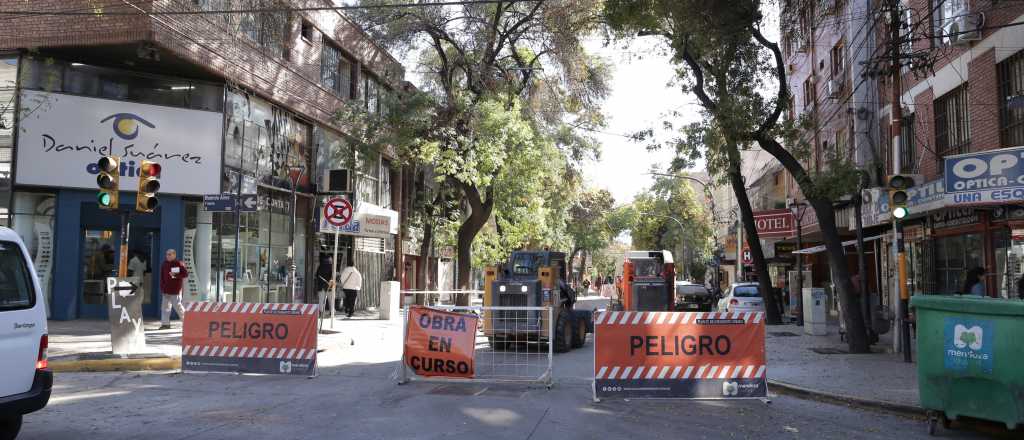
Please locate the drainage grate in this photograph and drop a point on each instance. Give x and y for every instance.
(782, 334)
(828, 350)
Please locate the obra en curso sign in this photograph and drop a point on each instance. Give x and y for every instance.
(987, 177)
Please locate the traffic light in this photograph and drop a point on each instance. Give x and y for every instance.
(107, 180)
(149, 184)
(898, 186)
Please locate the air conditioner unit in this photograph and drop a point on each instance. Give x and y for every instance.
(834, 87)
(335, 181)
(964, 28)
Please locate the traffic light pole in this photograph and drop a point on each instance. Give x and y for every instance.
(896, 127)
(122, 266)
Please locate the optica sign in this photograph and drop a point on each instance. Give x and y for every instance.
(995, 176)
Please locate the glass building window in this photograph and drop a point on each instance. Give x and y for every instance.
(48, 74)
(908, 144)
(954, 256)
(8, 77)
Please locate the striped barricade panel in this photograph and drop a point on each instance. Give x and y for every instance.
(717, 355)
(249, 338)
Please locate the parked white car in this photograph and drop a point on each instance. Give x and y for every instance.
(25, 379)
(742, 297)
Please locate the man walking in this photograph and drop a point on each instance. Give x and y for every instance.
(172, 273)
(324, 282)
(351, 282)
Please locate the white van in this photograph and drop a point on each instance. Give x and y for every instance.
(25, 380)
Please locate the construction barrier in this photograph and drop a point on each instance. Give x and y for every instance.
(250, 338)
(439, 343)
(679, 355)
(519, 354)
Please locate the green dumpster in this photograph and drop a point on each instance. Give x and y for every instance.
(970, 357)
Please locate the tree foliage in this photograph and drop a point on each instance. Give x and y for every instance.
(655, 215)
(739, 78)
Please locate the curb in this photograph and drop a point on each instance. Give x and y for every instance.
(109, 365)
(890, 407)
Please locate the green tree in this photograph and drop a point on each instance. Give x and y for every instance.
(726, 62)
(485, 62)
(669, 216)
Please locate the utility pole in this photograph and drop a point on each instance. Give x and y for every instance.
(895, 125)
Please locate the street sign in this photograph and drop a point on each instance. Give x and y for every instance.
(127, 335)
(747, 258)
(248, 203)
(338, 211)
(220, 202)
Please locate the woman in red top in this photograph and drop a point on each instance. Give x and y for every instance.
(172, 274)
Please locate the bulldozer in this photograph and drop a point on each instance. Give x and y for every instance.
(648, 282)
(533, 279)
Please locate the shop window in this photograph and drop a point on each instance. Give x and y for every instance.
(1011, 87)
(954, 256)
(32, 220)
(267, 143)
(952, 124)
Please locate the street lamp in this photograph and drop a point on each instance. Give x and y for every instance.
(798, 209)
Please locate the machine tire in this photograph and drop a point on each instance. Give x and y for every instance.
(497, 344)
(9, 427)
(579, 333)
(563, 332)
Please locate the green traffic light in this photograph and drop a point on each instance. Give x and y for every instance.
(104, 199)
(899, 212)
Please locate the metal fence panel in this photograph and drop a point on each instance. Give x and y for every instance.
(518, 355)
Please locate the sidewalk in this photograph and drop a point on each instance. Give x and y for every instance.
(820, 365)
(84, 344)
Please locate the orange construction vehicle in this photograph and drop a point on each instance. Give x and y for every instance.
(648, 282)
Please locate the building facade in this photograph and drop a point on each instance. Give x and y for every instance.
(228, 103)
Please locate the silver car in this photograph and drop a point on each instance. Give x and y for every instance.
(742, 297)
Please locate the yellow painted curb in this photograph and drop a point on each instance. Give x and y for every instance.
(102, 365)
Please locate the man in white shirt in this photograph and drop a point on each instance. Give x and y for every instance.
(351, 282)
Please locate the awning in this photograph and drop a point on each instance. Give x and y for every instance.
(821, 248)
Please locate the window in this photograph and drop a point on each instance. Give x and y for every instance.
(307, 30)
(385, 184)
(809, 92)
(335, 70)
(952, 125)
(267, 29)
(907, 144)
(841, 143)
(8, 75)
(838, 61)
(1011, 86)
(946, 13)
(372, 93)
(16, 289)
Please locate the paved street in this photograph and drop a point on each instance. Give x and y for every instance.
(356, 397)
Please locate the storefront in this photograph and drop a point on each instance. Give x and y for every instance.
(69, 115)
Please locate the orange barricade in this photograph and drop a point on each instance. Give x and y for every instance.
(679, 355)
(249, 338)
(440, 343)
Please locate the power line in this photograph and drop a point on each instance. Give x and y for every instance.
(100, 13)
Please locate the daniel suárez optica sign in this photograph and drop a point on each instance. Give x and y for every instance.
(995, 176)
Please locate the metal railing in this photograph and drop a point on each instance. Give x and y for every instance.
(509, 347)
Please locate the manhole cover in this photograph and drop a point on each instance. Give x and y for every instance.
(828, 350)
(784, 334)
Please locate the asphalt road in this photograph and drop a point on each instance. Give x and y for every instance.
(355, 397)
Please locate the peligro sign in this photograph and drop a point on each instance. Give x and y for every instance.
(995, 176)
(61, 136)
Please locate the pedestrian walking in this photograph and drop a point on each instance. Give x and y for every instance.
(973, 285)
(172, 274)
(324, 281)
(351, 282)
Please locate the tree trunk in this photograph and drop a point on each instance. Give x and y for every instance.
(849, 299)
(421, 275)
(771, 308)
(479, 212)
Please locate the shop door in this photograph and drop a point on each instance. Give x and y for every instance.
(99, 261)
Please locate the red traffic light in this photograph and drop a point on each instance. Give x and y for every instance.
(150, 169)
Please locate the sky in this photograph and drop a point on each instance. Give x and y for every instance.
(640, 99)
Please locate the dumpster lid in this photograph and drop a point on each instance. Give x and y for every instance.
(969, 304)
